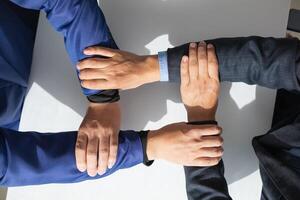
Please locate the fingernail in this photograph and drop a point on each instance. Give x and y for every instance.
(92, 175)
(202, 43)
(193, 45)
(110, 165)
(184, 59)
(101, 172)
(86, 51)
(210, 46)
(81, 168)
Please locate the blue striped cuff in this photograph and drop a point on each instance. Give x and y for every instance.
(163, 66)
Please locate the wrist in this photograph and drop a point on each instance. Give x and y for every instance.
(152, 68)
(199, 114)
(151, 146)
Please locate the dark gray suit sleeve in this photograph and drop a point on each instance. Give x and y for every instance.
(268, 62)
(206, 183)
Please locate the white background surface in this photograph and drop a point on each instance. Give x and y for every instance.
(54, 102)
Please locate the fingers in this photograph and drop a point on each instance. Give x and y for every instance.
(202, 59)
(211, 141)
(113, 150)
(91, 74)
(212, 152)
(103, 154)
(213, 66)
(206, 161)
(95, 63)
(198, 131)
(80, 151)
(91, 157)
(193, 61)
(184, 70)
(101, 51)
(99, 84)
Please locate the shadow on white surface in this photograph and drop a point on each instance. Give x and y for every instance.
(3, 193)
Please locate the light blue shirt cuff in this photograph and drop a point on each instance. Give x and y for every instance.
(163, 66)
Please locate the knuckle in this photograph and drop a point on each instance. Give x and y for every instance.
(194, 62)
(219, 151)
(114, 144)
(91, 153)
(212, 62)
(221, 141)
(80, 146)
(82, 129)
(94, 125)
(103, 152)
(91, 134)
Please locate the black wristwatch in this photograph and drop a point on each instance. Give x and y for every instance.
(105, 96)
(207, 122)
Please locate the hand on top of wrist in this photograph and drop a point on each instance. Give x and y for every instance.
(188, 145)
(116, 69)
(200, 82)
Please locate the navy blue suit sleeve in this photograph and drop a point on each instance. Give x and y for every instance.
(31, 158)
(81, 22)
(268, 62)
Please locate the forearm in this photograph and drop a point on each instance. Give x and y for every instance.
(82, 24)
(268, 62)
(33, 158)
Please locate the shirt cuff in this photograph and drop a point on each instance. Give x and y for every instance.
(163, 66)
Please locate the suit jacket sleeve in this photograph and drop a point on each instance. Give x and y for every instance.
(268, 62)
(33, 158)
(82, 24)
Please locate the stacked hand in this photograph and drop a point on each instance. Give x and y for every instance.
(193, 145)
(97, 141)
(118, 70)
(200, 82)
(190, 145)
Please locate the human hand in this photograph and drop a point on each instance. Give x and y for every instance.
(119, 70)
(188, 145)
(200, 82)
(97, 140)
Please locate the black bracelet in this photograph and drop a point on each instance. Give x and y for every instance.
(105, 96)
(144, 140)
(207, 122)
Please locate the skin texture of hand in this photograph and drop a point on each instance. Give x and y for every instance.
(200, 82)
(97, 141)
(188, 145)
(118, 70)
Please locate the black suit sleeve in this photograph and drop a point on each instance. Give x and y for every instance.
(268, 62)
